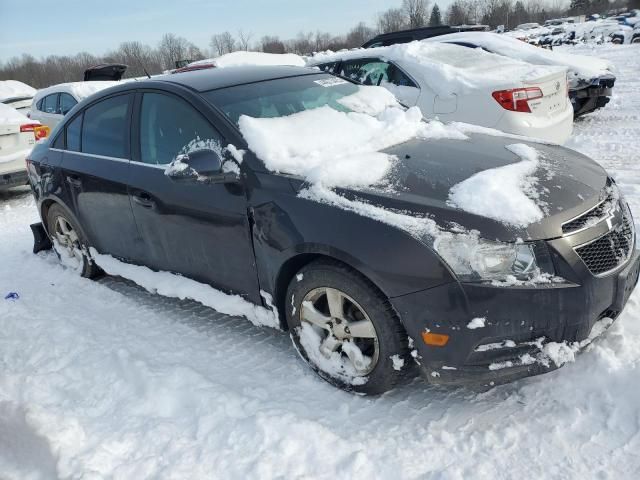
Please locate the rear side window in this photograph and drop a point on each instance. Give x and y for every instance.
(67, 102)
(73, 134)
(50, 104)
(105, 128)
(170, 126)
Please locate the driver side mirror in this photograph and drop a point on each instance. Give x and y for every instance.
(200, 166)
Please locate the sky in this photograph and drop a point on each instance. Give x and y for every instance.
(70, 26)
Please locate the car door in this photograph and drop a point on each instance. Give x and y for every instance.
(95, 166)
(374, 71)
(199, 230)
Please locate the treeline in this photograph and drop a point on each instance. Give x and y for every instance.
(143, 58)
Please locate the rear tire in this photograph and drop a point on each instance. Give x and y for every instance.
(346, 329)
(69, 243)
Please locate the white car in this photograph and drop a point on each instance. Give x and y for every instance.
(590, 79)
(16, 94)
(51, 104)
(17, 137)
(455, 83)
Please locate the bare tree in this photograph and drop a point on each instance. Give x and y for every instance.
(272, 45)
(358, 35)
(244, 39)
(172, 48)
(416, 12)
(391, 20)
(222, 43)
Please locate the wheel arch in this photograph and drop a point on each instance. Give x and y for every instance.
(296, 262)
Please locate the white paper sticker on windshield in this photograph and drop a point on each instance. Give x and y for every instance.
(330, 82)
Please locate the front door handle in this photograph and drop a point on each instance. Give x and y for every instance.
(144, 200)
(74, 181)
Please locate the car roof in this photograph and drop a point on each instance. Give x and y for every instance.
(215, 78)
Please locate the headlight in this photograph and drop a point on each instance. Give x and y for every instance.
(472, 258)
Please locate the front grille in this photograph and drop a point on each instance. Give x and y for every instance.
(609, 251)
(593, 216)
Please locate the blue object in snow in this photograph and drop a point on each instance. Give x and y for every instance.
(12, 296)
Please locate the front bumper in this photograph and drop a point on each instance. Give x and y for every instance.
(519, 322)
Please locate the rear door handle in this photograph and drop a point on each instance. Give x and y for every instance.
(144, 200)
(74, 180)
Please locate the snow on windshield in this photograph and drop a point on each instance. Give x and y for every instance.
(448, 69)
(336, 148)
(507, 194)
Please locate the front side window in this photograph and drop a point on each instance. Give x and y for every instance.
(50, 103)
(67, 102)
(170, 126)
(105, 128)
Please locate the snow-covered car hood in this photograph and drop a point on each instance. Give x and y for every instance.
(422, 178)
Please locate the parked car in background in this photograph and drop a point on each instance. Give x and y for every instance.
(16, 94)
(145, 173)
(590, 79)
(18, 135)
(527, 26)
(51, 104)
(406, 36)
(454, 83)
(105, 72)
(635, 37)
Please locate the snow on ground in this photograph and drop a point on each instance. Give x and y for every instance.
(105, 380)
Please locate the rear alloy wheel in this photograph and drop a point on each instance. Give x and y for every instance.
(68, 242)
(345, 329)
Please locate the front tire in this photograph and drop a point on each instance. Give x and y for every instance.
(346, 329)
(69, 243)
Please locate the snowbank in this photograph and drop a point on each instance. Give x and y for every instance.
(449, 69)
(175, 286)
(580, 67)
(507, 194)
(15, 89)
(242, 58)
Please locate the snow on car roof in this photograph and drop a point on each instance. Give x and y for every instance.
(10, 116)
(514, 48)
(15, 89)
(79, 90)
(242, 58)
(448, 69)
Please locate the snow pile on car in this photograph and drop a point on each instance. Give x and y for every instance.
(242, 58)
(507, 194)
(80, 90)
(10, 116)
(580, 67)
(449, 69)
(334, 148)
(15, 89)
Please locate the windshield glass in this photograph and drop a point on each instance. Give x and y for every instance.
(281, 97)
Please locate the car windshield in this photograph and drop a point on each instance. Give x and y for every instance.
(281, 97)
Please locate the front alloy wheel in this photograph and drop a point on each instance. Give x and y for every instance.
(345, 329)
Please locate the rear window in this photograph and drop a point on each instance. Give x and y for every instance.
(105, 128)
(50, 103)
(73, 134)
